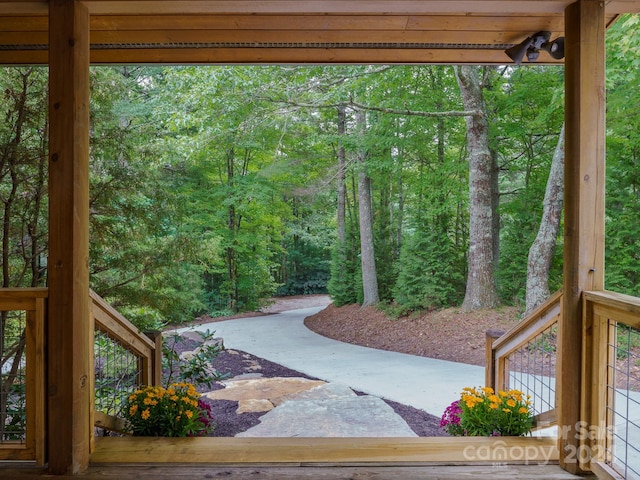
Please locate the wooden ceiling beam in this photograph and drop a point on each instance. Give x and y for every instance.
(244, 56)
(294, 22)
(465, 7)
(376, 7)
(331, 22)
(298, 56)
(143, 7)
(297, 36)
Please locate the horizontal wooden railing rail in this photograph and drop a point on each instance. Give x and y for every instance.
(500, 348)
(611, 394)
(33, 302)
(145, 347)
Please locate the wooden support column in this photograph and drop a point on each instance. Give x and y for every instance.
(68, 332)
(584, 206)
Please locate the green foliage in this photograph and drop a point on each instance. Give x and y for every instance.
(622, 248)
(212, 188)
(528, 106)
(23, 177)
(196, 367)
(341, 285)
(430, 272)
(627, 342)
(306, 254)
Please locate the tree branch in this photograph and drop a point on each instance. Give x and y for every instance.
(393, 111)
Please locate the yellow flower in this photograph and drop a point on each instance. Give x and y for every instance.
(523, 410)
(189, 413)
(133, 409)
(511, 402)
(494, 398)
(516, 394)
(145, 414)
(502, 393)
(506, 410)
(493, 406)
(470, 391)
(173, 398)
(471, 400)
(488, 390)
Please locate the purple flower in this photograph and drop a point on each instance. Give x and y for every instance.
(451, 415)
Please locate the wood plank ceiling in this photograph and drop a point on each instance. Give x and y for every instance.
(294, 31)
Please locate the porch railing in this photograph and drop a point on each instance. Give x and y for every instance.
(124, 358)
(611, 353)
(524, 358)
(22, 374)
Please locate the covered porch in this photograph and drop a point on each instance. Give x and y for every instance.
(70, 35)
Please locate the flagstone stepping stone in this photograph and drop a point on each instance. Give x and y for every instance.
(351, 416)
(276, 390)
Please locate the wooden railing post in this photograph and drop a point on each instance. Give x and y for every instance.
(156, 365)
(490, 357)
(68, 331)
(583, 206)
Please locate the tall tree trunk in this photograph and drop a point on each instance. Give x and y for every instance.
(481, 286)
(232, 253)
(541, 251)
(367, 252)
(342, 166)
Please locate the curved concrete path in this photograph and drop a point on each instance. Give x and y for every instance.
(425, 383)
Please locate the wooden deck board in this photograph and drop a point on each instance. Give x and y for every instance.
(137, 472)
(306, 451)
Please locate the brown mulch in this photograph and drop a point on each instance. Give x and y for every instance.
(449, 334)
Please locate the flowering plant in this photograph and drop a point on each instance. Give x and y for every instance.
(175, 411)
(483, 412)
(450, 420)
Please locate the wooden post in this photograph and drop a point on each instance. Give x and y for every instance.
(584, 206)
(69, 333)
(156, 361)
(490, 358)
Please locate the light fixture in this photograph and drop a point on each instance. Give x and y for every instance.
(532, 45)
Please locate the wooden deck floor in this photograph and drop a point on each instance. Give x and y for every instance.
(431, 472)
(143, 458)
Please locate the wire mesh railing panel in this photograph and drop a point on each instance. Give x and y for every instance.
(13, 397)
(117, 373)
(532, 369)
(623, 400)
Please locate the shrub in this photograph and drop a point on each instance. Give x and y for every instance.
(197, 368)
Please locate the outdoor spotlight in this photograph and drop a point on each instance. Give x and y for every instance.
(555, 48)
(532, 45)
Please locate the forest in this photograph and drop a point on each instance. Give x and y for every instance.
(214, 188)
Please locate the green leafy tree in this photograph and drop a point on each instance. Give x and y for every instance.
(622, 248)
(23, 209)
(528, 106)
